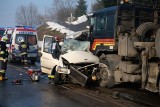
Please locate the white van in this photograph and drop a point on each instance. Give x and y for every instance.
(29, 35)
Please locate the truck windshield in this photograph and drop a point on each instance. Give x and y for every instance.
(29, 39)
(2, 32)
(75, 45)
(101, 23)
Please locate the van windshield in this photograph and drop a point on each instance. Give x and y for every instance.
(75, 45)
(29, 39)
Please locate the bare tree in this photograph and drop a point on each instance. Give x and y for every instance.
(61, 9)
(27, 15)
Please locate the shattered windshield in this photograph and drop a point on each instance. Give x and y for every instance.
(75, 45)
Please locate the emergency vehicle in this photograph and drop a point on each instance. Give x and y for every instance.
(16, 35)
(8, 32)
(2, 30)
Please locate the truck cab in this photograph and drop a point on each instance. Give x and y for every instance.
(126, 38)
(29, 35)
(105, 24)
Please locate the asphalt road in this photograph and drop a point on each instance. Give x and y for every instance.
(42, 94)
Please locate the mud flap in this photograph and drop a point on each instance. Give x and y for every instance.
(78, 76)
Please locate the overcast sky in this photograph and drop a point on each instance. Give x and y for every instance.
(8, 9)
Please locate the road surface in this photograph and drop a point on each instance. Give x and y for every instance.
(42, 94)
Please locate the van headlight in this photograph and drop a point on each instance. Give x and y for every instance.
(62, 70)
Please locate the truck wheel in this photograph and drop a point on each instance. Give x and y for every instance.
(159, 87)
(157, 42)
(106, 75)
(146, 31)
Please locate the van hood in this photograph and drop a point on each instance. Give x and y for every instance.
(80, 57)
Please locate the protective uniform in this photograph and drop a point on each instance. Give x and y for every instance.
(58, 48)
(23, 49)
(3, 57)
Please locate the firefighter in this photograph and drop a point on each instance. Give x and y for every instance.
(56, 53)
(3, 57)
(57, 47)
(23, 47)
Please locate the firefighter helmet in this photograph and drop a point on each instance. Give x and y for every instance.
(57, 38)
(22, 40)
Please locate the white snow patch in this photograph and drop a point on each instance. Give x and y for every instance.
(80, 19)
(60, 28)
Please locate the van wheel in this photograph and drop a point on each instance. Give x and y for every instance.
(146, 30)
(56, 78)
(106, 75)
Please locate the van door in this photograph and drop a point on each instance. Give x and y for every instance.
(33, 46)
(48, 62)
(31, 41)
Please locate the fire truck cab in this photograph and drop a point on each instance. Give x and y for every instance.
(16, 35)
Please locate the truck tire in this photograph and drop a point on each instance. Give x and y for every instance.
(145, 31)
(157, 42)
(159, 87)
(106, 75)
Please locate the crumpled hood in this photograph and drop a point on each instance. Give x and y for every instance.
(80, 57)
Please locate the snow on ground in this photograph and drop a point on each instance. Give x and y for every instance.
(80, 19)
(60, 28)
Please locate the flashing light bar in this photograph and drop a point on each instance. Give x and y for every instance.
(125, 1)
(25, 27)
(10, 27)
(2, 27)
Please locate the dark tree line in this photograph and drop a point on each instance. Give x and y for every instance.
(62, 9)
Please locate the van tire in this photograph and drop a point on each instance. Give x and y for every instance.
(56, 78)
(145, 30)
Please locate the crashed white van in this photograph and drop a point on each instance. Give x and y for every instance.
(75, 62)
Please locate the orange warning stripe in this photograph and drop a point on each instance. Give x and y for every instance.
(105, 42)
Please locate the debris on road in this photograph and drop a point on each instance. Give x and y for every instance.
(3, 78)
(17, 82)
(34, 74)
